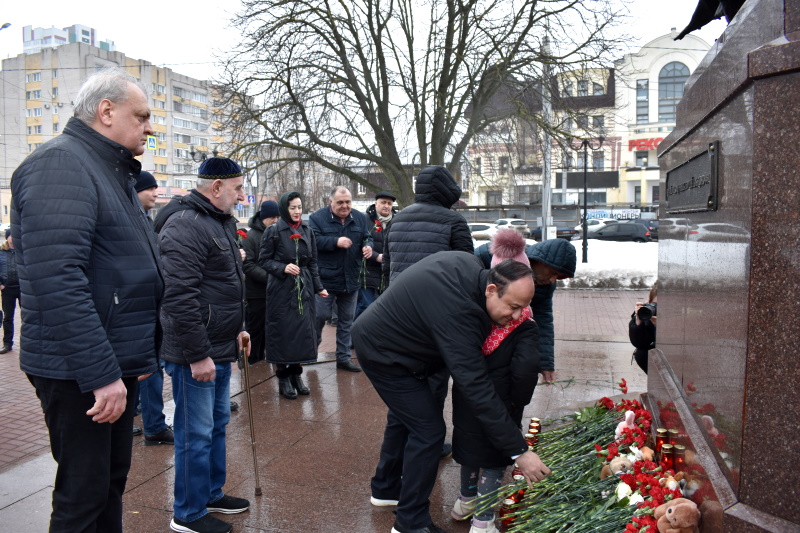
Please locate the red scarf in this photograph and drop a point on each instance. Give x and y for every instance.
(499, 333)
(295, 225)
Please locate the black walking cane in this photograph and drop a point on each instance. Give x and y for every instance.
(245, 365)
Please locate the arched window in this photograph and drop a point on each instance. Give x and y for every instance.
(598, 89)
(671, 80)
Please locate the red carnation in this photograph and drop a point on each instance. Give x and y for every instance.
(623, 385)
(606, 402)
(295, 236)
(241, 233)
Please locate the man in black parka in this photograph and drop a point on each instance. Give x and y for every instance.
(437, 315)
(202, 315)
(89, 277)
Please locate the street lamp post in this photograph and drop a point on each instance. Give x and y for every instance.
(585, 144)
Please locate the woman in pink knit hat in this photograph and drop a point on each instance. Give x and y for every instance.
(512, 360)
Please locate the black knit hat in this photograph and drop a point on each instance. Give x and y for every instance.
(269, 209)
(145, 181)
(384, 194)
(219, 168)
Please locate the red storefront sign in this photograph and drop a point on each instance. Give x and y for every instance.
(644, 144)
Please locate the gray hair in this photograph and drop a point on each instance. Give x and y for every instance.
(108, 84)
(339, 188)
(204, 184)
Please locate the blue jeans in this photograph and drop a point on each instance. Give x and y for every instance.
(202, 411)
(152, 402)
(346, 307)
(365, 298)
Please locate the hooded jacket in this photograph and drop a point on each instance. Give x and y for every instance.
(428, 225)
(559, 254)
(87, 260)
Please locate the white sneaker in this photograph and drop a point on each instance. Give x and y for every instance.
(479, 526)
(463, 509)
(382, 503)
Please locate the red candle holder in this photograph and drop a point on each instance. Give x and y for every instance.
(667, 457)
(662, 438)
(506, 518)
(679, 457)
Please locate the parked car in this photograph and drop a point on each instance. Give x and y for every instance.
(718, 232)
(624, 231)
(482, 231)
(594, 224)
(514, 223)
(562, 232)
(651, 224)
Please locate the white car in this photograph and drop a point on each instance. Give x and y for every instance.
(594, 224)
(482, 231)
(514, 223)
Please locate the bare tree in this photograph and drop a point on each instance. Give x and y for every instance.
(342, 83)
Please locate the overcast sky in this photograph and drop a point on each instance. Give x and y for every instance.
(186, 35)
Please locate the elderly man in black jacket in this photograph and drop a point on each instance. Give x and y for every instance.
(437, 315)
(89, 276)
(202, 315)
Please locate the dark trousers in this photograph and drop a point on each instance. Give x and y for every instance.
(10, 297)
(255, 321)
(412, 443)
(93, 459)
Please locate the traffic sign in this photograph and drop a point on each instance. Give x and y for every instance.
(239, 207)
(152, 142)
(251, 198)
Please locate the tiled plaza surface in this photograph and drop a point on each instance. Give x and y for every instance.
(315, 454)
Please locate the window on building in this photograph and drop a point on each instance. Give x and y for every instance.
(33, 95)
(37, 130)
(162, 168)
(55, 73)
(637, 194)
(182, 93)
(162, 183)
(181, 138)
(160, 89)
(361, 189)
(85, 32)
(641, 158)
(598, 160)
(583, 88)
(656, 194)
(33, 112)
(503, 163)
(568, 89)
(478, 165)
(598, 121)
(35, 76)
(568, 124)
(494, 197)
(162, 136)
(162, 152)
(598, 89)
(642, 102)
(55, 110)
(153, 87)
(182, 153)
(528, 194)
(583, 122)
(671, 81)
(55, 92)
(55, 127)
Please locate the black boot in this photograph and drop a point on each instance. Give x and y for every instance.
(297, 381)
(285, 387)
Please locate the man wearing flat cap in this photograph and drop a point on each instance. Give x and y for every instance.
(379, 215)
(255, 279)
(202, 314)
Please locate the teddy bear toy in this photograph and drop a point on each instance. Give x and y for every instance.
(678, 516)
(617, 466)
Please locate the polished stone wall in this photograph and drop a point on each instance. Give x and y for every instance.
(726, 370)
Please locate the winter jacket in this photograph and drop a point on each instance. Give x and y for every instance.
(203, 307)
(513, 369)
(340, 268)
(428, 225)
(87, 261)
(643, 338)
(291, 335)
(434, 316)
(377, 231)
(559, 254)
(9, 278)
(255, 277)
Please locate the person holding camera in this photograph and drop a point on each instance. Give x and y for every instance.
(642, 328)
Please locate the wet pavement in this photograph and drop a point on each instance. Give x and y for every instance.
(315, 454)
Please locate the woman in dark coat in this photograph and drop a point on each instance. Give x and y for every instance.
(289, 255)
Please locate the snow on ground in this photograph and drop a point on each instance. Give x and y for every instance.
(615, 265)
(612, 265)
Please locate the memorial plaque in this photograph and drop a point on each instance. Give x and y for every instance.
(692, 186)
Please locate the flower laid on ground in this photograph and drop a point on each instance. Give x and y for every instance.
(623, 386)
(298, 279)
(573, 498)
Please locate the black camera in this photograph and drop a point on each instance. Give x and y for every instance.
(646, 311)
